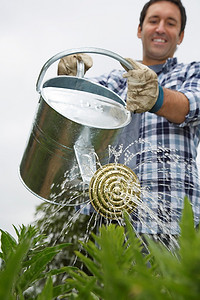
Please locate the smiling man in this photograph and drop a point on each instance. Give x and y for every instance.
(160, 32)
(163, 136)
(161, 29)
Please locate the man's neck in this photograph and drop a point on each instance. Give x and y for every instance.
(153, 62)
(156, 68)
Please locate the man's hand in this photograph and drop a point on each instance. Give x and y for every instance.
(68, 64)
(143, 89)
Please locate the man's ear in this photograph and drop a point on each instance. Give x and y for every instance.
(181, 36)
(139, 31)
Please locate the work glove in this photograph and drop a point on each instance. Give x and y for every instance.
(144, 93)
(68, 64)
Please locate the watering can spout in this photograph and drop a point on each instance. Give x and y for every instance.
(85, 155)
(86, 161)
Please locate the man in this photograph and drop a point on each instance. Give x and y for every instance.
(165, 100)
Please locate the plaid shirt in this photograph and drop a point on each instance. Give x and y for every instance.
(161, 153)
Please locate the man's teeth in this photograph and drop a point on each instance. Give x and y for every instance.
(159, 40)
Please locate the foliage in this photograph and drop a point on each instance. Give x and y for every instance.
(24, 262)
(120, 269)
(61, 224)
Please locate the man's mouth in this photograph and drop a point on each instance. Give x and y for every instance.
(159, 40)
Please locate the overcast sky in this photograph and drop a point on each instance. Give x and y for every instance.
(33, 31)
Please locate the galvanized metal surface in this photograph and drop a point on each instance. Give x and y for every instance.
(74, 116)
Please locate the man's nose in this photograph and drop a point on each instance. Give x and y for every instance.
(161, 27)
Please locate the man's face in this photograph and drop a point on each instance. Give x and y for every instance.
(160, 32)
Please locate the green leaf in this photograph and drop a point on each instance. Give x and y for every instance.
(189, 254)
(60, 271)
(37, 264)
(8, 245)
(167, 263)
(90, 264)
(36, 255)
(61, 289)
(9, 275)
(92, 249)
(47, 293)
(135, 244)
(81, 281)
(188, 233)
(85, 290)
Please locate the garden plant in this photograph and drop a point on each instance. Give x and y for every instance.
(116, 266)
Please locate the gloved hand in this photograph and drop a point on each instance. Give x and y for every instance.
(144, 93)
(68, 64)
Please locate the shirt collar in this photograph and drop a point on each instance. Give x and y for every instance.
(171, 62)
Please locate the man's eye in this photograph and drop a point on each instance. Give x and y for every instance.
(153, 21)
(171, 24)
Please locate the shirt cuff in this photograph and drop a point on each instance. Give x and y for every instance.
(193, 117)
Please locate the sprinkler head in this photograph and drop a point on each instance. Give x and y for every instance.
(114, 188)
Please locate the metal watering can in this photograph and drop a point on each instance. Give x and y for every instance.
(75, 122)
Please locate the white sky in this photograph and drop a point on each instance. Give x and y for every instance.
(33, 31)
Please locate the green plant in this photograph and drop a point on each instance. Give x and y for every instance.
(115, 259)
(121, 271)
(61, 224)
(24, 262)
(180, 273)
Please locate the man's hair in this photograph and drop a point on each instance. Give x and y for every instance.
(176, 2)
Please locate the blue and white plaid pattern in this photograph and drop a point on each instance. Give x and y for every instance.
(165, 153)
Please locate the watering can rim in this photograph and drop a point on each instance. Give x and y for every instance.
(103, 99)
(70, 83)
(74, 78)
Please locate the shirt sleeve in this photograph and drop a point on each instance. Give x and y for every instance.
(191, 89)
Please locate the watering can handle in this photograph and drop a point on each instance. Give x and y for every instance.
(75, 51)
